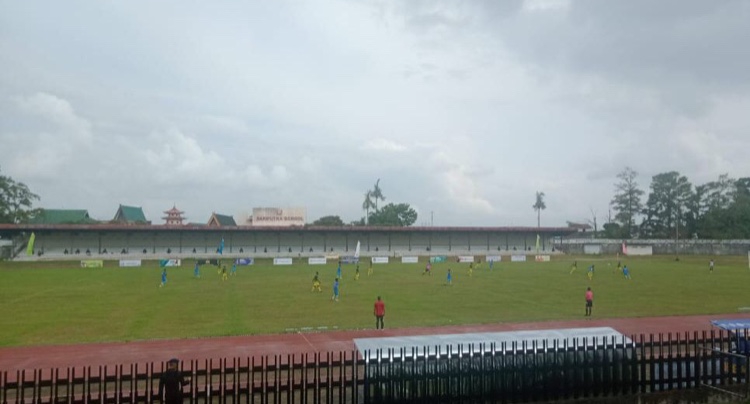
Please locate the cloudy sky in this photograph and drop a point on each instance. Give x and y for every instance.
(461, 108)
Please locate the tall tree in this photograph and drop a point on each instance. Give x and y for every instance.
(16, 201)
(539, 206)
(328, 221)
(377, 194)
(627, 201)
(367, 205)
(666, 205)
(394, 215)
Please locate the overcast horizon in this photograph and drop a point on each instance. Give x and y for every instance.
(462, 109)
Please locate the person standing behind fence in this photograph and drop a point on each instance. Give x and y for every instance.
(171, 383)
(589, 301)
(379, 313)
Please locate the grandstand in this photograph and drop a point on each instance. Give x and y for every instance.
(116, 241)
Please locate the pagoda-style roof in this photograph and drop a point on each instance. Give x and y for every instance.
(219, 220)
(174, 211)
(130, 215)
(62, 216)
(174, 216)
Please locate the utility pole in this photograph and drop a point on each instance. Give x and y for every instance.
(432, 216)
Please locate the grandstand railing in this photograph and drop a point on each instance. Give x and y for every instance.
(485, 373)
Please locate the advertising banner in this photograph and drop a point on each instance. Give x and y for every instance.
(518, 258)
(172, 262)
(282, 261)
(379, 260)
(465, 258)
(278, 217)
(640, 250)
(349, 260)
(332, 257)
(438, 259)
(409, 260)
(244, 261)
(542, 258)
(493, 258)
(592, 249)
(92, 263)
(317, 261)
(130, 263)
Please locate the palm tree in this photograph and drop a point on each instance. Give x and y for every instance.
(377, 193)
(539, 206)
(368, 204)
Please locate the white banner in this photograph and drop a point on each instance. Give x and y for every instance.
(379, 260)
(356, 252)
(332, 257)
(542, 258)
(592, 249)
(640, 250)
(282, 261)
(172, 262)
(281, 217)
(317, 261)
(493, 258)
(409, 260)
(465, 258)
(130, 263)
(518, 258)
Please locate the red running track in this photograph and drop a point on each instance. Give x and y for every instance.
(62, 356)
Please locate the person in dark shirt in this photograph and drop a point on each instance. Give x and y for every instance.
(171, 383)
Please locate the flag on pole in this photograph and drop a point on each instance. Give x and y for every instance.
(356, 252)
(537, 243)
(624, 248)
(220, 250)
(30, 246)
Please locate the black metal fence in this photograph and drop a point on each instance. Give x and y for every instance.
(515, 372)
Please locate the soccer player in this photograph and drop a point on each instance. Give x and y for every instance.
(573, 267)
(711, 266)
(471, 269)
(224, 273)
(335, 290)
(590, 272)
(316, 283)
(356, 273)
(234, 269)
(163, 278)
(626, 272)
(369, 270)
(379, 312)
(619, 266)
(427, 269)
(491, 263)
(449, 278)
(197, 270)
(338, 271)
(589, 301)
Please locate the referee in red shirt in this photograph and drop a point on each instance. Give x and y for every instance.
(379, 313)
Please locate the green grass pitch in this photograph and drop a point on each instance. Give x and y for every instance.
(58, 303)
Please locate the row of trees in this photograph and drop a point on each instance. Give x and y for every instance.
(392, 214)
(16, 201)
(674, 207)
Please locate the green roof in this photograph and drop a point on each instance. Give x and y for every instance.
(130, 214)
(223, 220)
(62, 216)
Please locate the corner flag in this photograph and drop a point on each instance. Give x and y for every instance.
(356, 252)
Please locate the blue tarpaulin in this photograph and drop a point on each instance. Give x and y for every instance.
(732, 325)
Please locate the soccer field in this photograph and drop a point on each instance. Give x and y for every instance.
(57, 303)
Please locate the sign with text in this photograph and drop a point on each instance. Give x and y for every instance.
(92, 263)
(465, 258)
(244, 261)
(493, 258)
(317, 261)
(275, 217)
(409, 260)
(282, 261)
(130, 263)
(518, 258)
(542, 258)
(350, 259)
(379, 260)
(438, 259)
